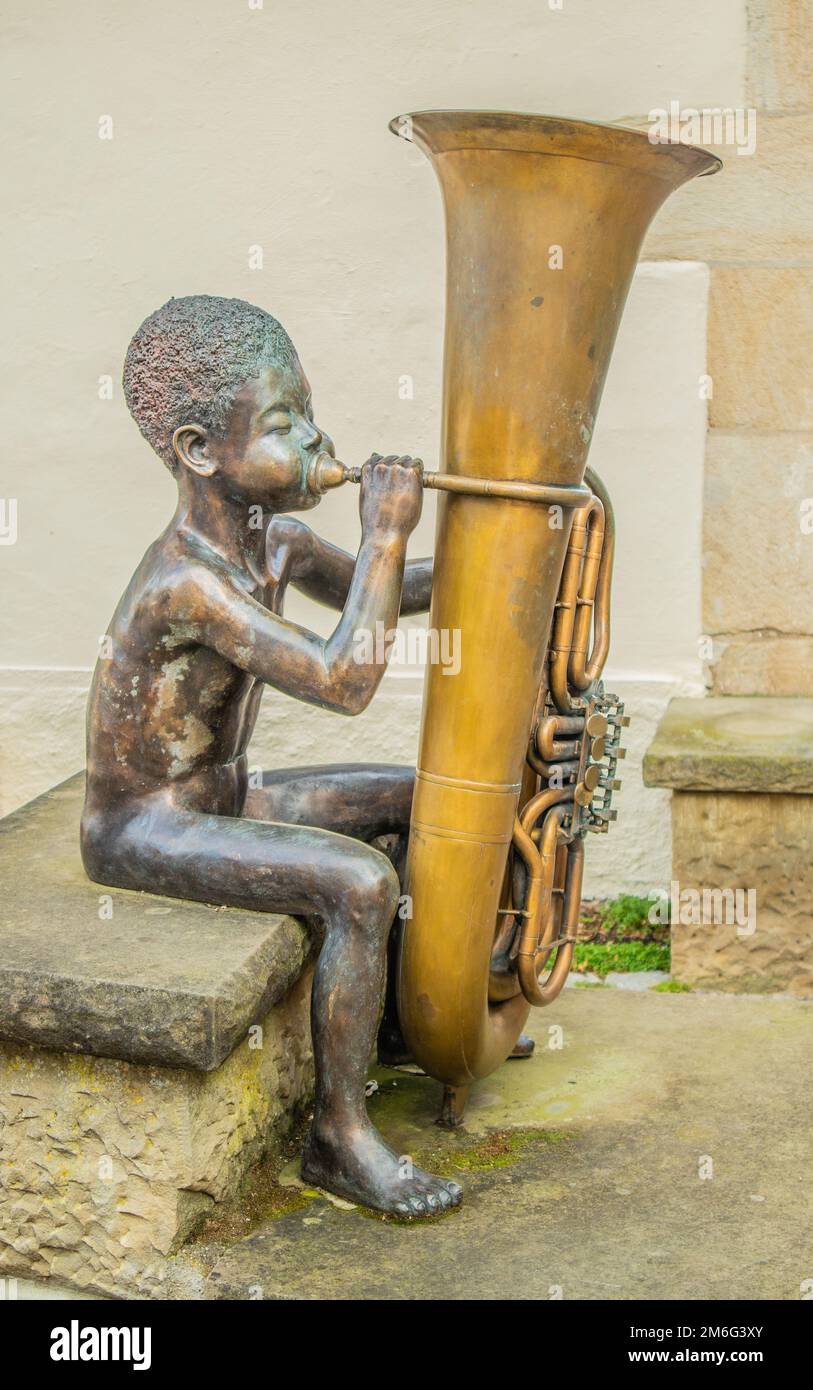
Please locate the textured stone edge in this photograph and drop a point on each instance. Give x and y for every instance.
(682, 771)
(109, 1019)
(687, 752)
(724, 841)
(107, 1166)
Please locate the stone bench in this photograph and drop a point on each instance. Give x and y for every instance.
(741, 774)
(151, 1050)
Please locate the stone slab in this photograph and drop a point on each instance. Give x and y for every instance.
(730, 743)
(122, 974)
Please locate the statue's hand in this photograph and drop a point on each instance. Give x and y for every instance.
(391, 495)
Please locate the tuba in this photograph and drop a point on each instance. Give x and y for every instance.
(518, 751)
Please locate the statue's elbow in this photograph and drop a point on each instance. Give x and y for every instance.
(345, 698)
(356, 701)
(351, 686)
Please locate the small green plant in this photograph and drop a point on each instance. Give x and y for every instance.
(621, 955)
(672, 987)
(624, 918)
(628, 913)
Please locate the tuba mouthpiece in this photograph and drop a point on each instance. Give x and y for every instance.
(325, 472)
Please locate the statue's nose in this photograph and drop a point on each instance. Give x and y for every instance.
(325, 441)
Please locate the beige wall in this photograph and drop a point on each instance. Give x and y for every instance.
(237, 127)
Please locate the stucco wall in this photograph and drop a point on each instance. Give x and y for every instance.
(239, 127)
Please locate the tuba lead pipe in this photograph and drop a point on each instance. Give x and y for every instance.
(326, 472)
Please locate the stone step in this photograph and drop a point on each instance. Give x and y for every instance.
(123, 974)
(726, 743)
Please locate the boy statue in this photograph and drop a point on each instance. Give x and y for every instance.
(216, 387)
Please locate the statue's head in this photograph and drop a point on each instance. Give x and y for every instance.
(217, 389)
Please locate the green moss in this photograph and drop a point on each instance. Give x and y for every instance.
(498, 1149)
(261, 1198)
(455, 1154)
(672, 987)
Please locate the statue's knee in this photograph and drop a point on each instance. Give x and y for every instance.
(95, 846)
(109, 851)
(367, 890)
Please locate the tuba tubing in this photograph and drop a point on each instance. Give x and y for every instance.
(326, 472)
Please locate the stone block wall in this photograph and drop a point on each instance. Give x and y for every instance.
(753, 224)
(741, 774)
(741, 843)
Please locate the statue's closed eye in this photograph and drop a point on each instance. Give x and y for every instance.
(278, 423)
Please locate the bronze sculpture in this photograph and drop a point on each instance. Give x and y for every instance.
(217, 389)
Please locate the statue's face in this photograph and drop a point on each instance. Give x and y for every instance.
(270, 441)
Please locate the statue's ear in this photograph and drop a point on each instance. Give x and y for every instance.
(190, 443)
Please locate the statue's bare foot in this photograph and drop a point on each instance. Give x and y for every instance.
(356, 1164)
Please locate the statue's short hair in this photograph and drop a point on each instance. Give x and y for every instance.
(189, 359)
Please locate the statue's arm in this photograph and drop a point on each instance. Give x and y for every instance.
(324, 572)
(336, 672)
(417, 593)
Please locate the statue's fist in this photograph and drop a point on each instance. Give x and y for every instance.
(391, 494)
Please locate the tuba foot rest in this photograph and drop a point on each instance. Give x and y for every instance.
(453, 1106)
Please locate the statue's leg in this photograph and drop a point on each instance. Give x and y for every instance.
(364, 800)
(359, 799)
(353, 889)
